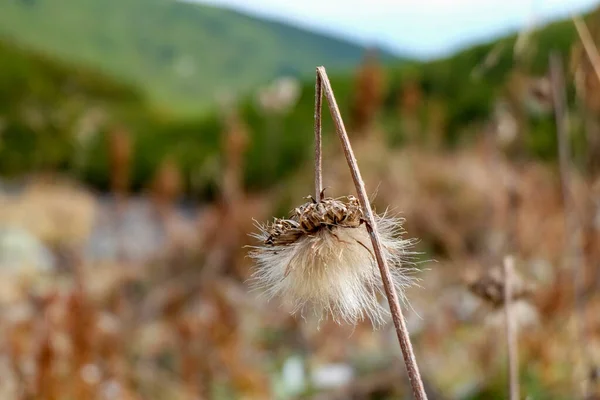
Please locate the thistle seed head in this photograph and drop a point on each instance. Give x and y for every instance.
(321, 258)
(490, 287)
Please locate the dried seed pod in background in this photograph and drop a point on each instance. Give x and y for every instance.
(592, 384)
(490, 287)
(322, 258)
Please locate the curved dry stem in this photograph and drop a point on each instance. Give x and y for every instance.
(390, 291)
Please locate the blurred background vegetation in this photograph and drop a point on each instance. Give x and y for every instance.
(95, 63)
(210, 112)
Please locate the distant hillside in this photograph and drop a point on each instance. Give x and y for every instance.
(46, 105)
(182, 54)
(45, 102)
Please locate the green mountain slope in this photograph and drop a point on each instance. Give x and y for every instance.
(181, 53)
(45, 106)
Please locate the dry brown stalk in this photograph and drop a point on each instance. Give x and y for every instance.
(166, 185)
(572, 225)
(369, 93)
(586, 68)
(235, 143)
(390, 291)
(82, 331)
(318, 158)
(588, 44)
(224, 336)
(120, 150)
(189, 361)
(511, 334)
(411, 100)
(120, 153)
(46, 385)
(17, 337)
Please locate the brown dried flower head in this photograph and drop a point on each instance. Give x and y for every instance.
(490, 287)
(321, 257)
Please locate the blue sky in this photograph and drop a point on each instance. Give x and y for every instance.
(423, 28)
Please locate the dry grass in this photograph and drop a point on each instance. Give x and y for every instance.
(185, 326)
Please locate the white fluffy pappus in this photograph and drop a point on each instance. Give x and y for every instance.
(326, 264)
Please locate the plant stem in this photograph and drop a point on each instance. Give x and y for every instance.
(588, 44)
(318, 136)
(511, 337)
(402, 332)
(574, 253)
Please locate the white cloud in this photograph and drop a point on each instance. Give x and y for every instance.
(423, 27)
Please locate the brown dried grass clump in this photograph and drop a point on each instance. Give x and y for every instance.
(446, 198)
(225, 345)
(193, 370)
(58, 212)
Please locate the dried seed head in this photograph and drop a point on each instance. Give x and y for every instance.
(490, 287)
(321, 257)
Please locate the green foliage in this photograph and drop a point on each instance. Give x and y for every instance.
(468, 86)
(43, 101)
(282, 143)
(531, 386)
(181, 53)
(541, 138)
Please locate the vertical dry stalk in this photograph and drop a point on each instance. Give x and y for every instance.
(188, 356)
(390, 291)
(318, 158)
(120, 153)
(588, 84)
(588, 44)
(166, 185)
(511, 335)
(81, 326)
(572, 228)
(410, 101)
(368, 95)
(235, 144)
(46, 384)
